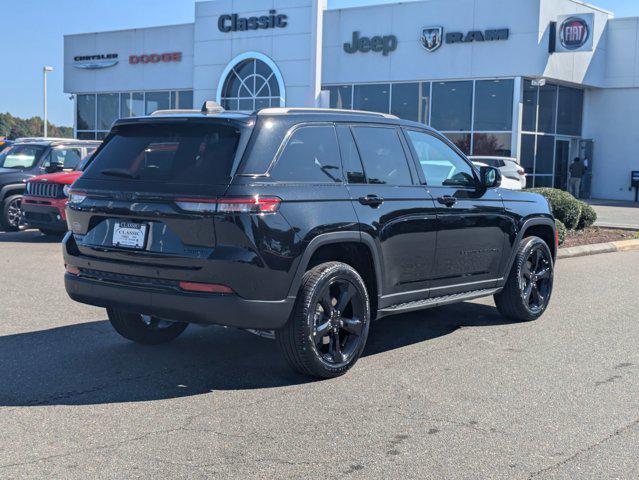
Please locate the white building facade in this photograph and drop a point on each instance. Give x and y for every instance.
(540, 80)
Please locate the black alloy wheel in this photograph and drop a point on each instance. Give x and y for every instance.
(535, 281)
(338, 322)
(528, 288)
(327, 331)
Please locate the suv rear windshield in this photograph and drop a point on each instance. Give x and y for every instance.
(21, 156)
(178, 153)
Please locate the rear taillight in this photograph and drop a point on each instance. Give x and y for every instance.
(254, 204)
(521, 171)
(205, 287)
(556, 239)
(72, 270)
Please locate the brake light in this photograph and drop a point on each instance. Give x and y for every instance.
(205, 287)
(254, 204)
(72, 270)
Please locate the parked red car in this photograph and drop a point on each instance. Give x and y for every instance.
(46, 197)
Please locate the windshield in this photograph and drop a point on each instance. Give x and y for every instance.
(193, 153)
(21, 156)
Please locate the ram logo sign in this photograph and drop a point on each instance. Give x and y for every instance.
(431, 38)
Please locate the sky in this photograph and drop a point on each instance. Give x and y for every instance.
(31, 36)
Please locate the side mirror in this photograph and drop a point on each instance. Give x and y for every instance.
(490, 177)
(54, 167)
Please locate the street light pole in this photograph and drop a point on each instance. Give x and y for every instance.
(45, 70)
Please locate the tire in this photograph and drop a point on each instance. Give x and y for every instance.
(51, 233)
(528, 288)
(328, 328)
(144, 329)
(10, 218)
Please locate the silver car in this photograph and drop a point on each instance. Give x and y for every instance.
(509, 168)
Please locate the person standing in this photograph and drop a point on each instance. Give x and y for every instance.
(577, 170)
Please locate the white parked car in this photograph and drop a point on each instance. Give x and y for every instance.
(513, 174)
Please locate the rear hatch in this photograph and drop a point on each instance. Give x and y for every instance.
(148, 194)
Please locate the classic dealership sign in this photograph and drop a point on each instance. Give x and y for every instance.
(384, 44)
(575, 33)
(95, 62)
(235, 23)
(155, 58)
(433, 37)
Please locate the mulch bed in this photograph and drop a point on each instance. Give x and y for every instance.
(593, 235)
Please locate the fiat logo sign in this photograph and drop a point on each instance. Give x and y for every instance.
(574, 33)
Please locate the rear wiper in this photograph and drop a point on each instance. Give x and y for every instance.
(119, 172)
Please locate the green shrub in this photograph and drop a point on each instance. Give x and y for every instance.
(588, 216)
(562, 231)
(564, 206)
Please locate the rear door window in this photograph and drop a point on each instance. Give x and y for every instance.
(350, 156)
(311, 154)
(184, 153)
(383, 155)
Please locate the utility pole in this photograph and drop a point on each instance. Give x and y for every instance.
(45, 70)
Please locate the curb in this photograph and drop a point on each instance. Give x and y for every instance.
(597, 248)
(628, 227)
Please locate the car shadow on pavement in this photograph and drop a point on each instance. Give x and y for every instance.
(88, 363)
(26, 236)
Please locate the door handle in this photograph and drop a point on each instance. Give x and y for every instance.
(373, 201)
(447, 200)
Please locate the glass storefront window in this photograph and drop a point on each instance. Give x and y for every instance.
(452, 106)
(137, 104)
(492, 144)
(461, 140)
(185, 99)
(156, 101)
(405, 101)
(541, 181)
(529, 120)
(108, 110)
(570, 111)
(424, 110)
(86, 112)
(545, 154)
(125, 105)
(86, 135)
(528, 153)
(341, 96)
(372, 98)
(494, 105)
(547, 108)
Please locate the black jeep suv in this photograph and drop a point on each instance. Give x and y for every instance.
(309, 223)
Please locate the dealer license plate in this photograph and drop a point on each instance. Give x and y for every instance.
(129, 235)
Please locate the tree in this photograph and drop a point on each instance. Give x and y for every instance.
(13, 127)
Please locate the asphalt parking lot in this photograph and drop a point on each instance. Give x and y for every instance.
(454, 392)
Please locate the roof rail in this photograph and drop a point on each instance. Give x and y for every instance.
(285, 110)
(160, 113)
(42, 139)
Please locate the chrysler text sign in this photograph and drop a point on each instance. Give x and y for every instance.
(575, 33)
(95, 62)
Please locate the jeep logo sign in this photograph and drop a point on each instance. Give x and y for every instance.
(385, 44)
(575, 33)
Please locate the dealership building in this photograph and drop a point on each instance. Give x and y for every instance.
(540, 80)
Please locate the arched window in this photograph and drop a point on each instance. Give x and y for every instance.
(251, 83)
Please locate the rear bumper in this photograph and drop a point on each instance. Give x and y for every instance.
(44, 213)
(212, 309)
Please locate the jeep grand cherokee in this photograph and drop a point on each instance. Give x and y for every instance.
(309, 223)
